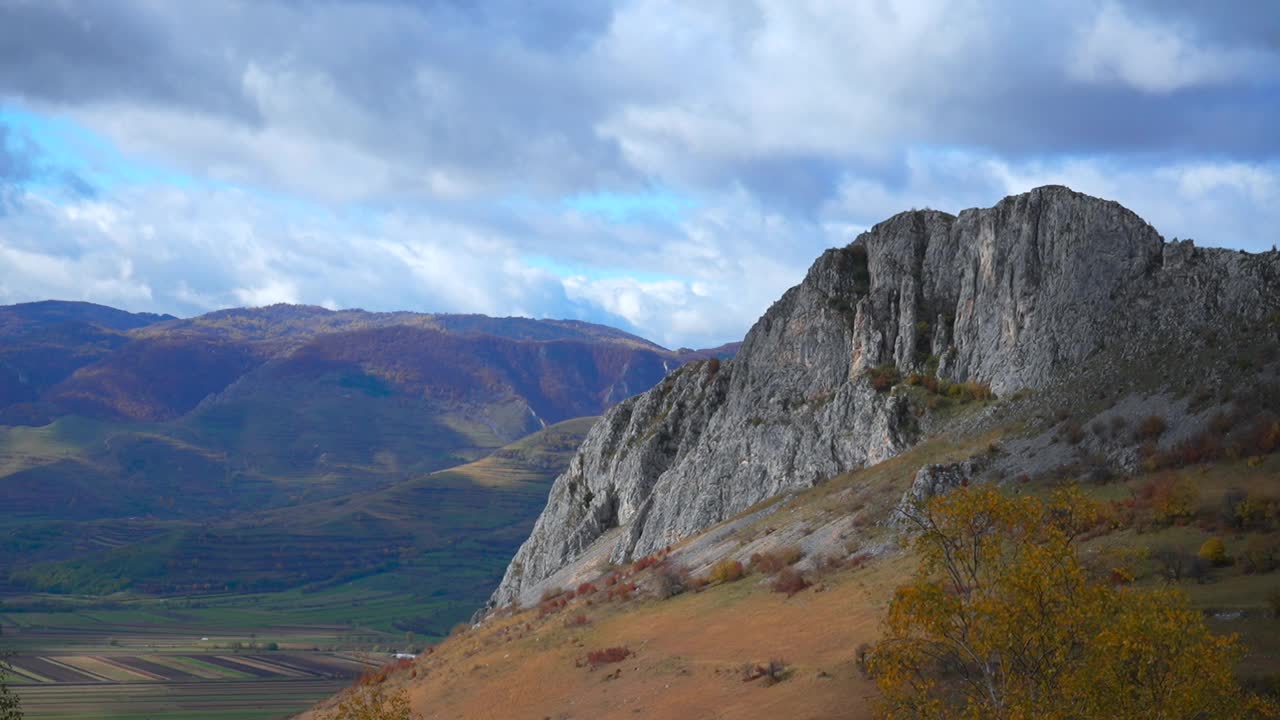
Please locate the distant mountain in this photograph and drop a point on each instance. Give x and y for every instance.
(118, 366)
(43, 343)
(151, 421)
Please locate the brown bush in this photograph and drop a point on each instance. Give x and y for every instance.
(379, 676)
(789, 581)
(1151, 428)
(621, 591)
(1259, 555)
(973, 390)
(596, 658)
(1175, 564)
(670, 580)
(578, 620)
(772, 672)
(586, 589)
(645, 563)
(883, 377)
(772, 561)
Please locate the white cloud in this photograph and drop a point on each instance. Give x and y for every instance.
(402, 156)
(1151, 56)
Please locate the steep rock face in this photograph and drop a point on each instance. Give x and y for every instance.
(1009, 295)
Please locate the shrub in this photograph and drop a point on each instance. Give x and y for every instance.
(883, 377)
(670, 580)
(789, 581)
(861, 657)
(772, 561)
(1175, 564)
(1174, 497)
(578, 620)
(1231, 501)
(1273, 600)
(645, 563)
(1214, 551)
(726, 571)
(586, 589)
(973, 390)
(621, 591)
(1256, 513)
(1151, 428)
(372, 703)
(773, 672)
(1259, 555)
(379, 676)
(596, 658)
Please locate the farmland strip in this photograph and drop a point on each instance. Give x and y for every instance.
(100, 666)
(114, 661)
(230, 664)
(55, 672)
(322, 666)
(69, 663)
(277, 669)
(162, 672)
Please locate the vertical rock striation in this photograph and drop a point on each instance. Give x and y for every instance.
(1009, 295)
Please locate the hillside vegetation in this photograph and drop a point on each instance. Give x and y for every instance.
(441, 537)
(777, 611)
(247, 449)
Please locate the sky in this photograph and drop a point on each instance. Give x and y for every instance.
(665, 167)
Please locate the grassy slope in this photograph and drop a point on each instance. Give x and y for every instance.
(436, 542)
(689, 650)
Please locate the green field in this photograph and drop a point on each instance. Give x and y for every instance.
(246, 657)
(349, 580)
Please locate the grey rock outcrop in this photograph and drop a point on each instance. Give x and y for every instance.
(932, 481)
(1009, 295)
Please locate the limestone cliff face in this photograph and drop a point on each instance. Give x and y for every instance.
(1009, 295)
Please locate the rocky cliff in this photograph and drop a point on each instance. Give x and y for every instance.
(1010, 296)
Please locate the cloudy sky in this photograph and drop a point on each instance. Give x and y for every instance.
(667, 167)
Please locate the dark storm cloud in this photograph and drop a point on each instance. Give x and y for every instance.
(76, 52)
(511, 96)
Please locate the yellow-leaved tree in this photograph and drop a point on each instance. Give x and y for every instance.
(1003, 622)
(372, 702)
